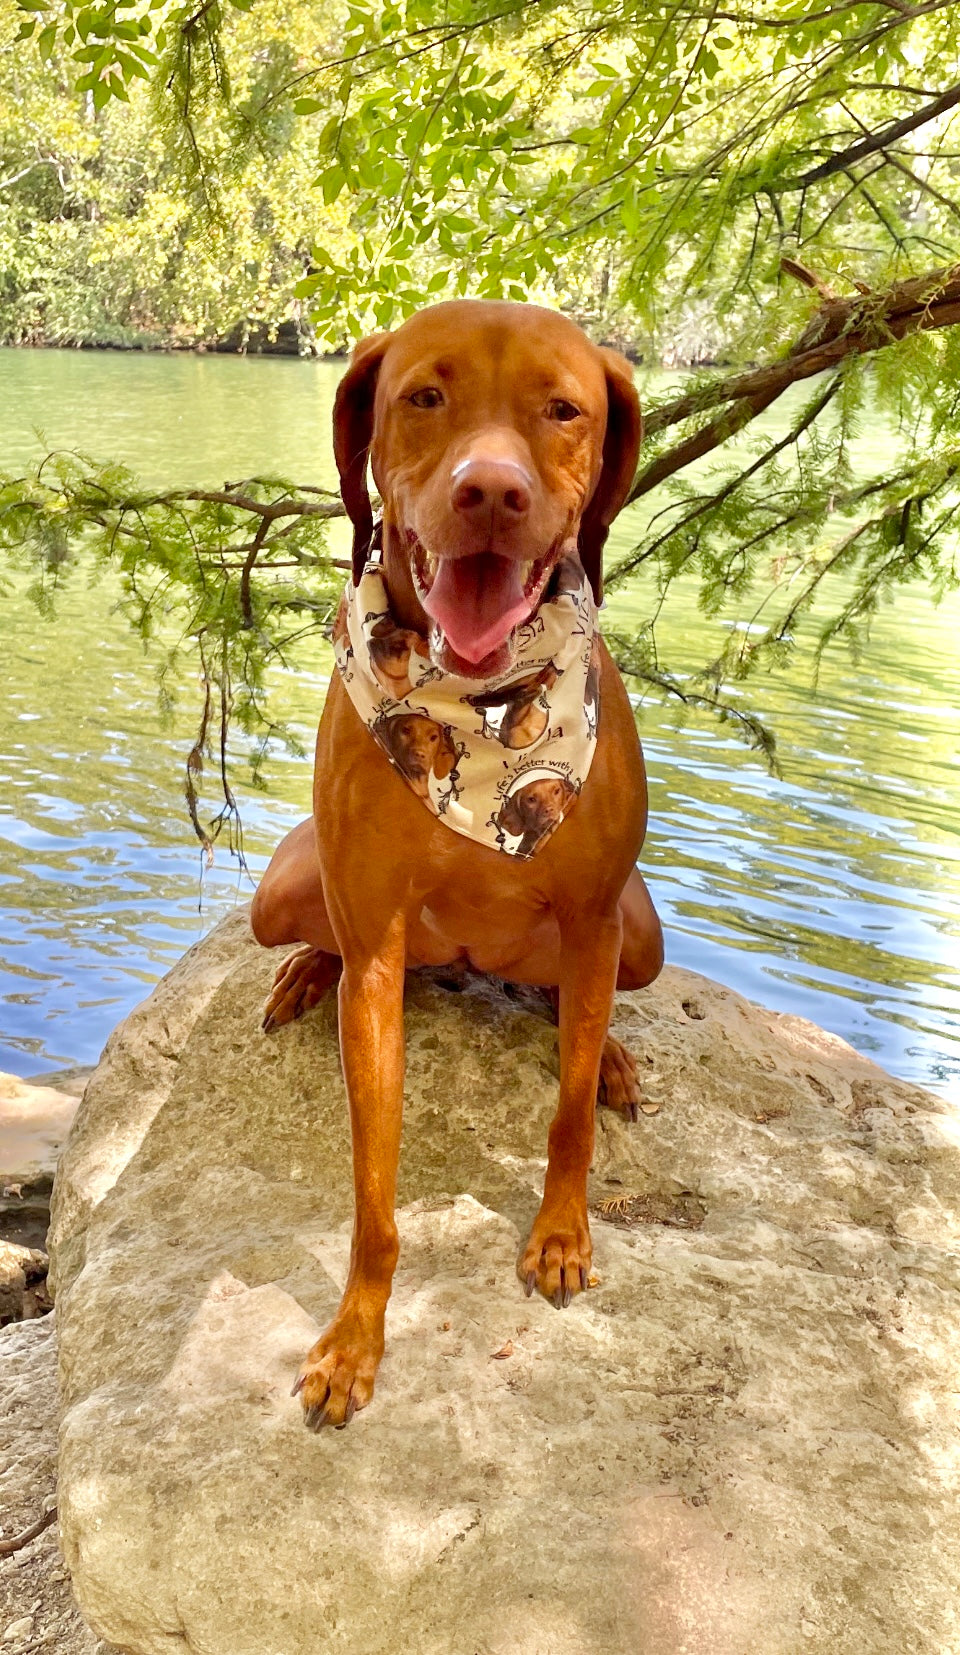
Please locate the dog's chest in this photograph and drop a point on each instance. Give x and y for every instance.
(482, 925)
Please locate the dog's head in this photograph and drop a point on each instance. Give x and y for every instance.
(418, 745)
(500, 438)
(537, 808)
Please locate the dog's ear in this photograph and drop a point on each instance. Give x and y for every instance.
(352, 431)
(621, 446)
(512, 817)
(446, 756)
(387, 734)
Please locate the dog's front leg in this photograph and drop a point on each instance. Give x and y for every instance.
(338, 1375)
(557, 1256)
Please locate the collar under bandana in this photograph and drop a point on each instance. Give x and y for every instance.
(502, 759)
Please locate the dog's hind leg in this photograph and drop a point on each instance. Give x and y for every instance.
(617, 1087)
(288, 907)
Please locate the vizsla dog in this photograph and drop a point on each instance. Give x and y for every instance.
(418, 747)
(500, 440)
(536, 810)
(523, 720)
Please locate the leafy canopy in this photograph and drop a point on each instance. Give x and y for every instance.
(772, 186)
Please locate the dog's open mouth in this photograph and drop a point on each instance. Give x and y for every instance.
(477, 602)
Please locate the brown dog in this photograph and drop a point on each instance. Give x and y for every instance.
(390, 651)
(524, 720)
(500, 438)
(419, 747)
(536, 810)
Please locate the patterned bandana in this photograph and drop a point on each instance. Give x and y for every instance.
(501, 760)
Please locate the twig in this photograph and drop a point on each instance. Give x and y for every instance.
(18, 1541)
(246, 607)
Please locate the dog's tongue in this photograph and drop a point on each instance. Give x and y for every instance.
(476, 601)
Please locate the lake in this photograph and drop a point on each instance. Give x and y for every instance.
(832, 892)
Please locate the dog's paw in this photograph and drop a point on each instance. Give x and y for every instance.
(337, 1376)
(556, 1260)
(301, 980)
(618, 1087)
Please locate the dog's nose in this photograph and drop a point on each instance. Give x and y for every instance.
(491, 489)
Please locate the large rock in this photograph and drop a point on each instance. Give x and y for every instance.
(37, 1610)
(34, 1121)
(742, 1440)
(35, 1118)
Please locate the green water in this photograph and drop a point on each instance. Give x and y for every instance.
(833, 892)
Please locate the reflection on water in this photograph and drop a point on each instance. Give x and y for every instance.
(833, 893)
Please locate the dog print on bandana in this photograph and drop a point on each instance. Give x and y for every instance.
(500, 760)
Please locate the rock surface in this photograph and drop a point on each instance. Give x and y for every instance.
(742, 1440)
(37, 1611)
(35, 1118)
(34, 1121)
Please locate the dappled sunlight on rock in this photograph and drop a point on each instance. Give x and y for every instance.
(721, 1446)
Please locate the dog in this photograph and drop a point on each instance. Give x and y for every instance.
(501, 440)
(418, 746)
(536, 810)
(390, 651)
(524, 720)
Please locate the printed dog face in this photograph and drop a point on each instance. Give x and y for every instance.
(390, 650)
(536, 810)
(524, 719)
(418, 747)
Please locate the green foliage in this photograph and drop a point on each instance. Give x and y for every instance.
(698, 183)
(109, 232)
(763, 531)
(648, 164)
(243, 574)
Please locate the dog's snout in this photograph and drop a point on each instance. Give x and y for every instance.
(497, 489)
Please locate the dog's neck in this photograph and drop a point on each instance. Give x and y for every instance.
(500, 759)
(405, 606)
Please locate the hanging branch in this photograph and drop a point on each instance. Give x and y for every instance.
(868, 321)
(712, 501)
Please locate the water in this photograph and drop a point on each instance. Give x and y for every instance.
(833, 892)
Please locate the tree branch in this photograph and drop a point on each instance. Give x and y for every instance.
(17, 1542)
(841, 327)
(709, 436)
(246, 606)
(874, 141)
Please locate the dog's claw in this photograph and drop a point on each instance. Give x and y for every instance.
(530, 1284)
(269, 1023)
(584, 1279)
(313, 1417)
(567, 1296)
(557, 1300)
(298, 1384)
(348, 1413)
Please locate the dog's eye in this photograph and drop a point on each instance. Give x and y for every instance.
(429, 397)
(563, 410)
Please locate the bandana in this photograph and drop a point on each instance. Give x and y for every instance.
(500, 760)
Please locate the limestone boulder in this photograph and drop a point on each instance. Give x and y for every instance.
(743, 1439)
(35, 1117)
